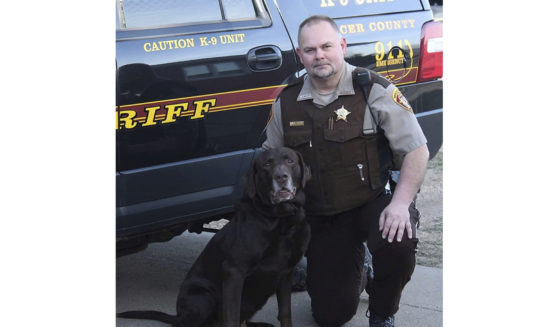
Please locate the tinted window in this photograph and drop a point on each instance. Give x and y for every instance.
(160, 13)
(238, 9)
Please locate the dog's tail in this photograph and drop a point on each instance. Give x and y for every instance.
(150, 315)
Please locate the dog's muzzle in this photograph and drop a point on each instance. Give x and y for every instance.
(283, 188)
(283, 194)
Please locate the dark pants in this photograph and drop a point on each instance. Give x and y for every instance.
(335, 263)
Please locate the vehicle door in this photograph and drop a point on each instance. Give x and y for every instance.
(195, 83)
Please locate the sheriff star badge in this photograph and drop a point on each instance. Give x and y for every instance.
(342, 114)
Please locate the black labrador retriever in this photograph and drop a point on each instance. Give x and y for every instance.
(253, 256)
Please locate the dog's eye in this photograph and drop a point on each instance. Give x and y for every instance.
(290, 161)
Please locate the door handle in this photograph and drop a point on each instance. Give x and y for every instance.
(264, 58)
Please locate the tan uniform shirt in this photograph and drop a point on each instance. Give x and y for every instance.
(400, 125)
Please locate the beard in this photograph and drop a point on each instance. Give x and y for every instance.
(323, 70)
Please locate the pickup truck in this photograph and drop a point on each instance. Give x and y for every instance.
(196, 80)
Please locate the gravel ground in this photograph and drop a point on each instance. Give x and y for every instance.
(429, 202)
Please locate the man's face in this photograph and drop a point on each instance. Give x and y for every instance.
(321, 50)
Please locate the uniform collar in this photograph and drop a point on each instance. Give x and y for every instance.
(345, 87)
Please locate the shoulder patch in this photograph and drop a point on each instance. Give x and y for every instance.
(399, 98)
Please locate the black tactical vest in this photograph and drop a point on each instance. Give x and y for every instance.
(348, 168)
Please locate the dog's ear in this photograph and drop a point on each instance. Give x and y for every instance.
(249, 183)
(305, 170)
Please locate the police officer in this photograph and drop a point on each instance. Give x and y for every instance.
(350, 146)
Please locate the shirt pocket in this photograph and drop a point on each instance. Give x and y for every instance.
(342, 132)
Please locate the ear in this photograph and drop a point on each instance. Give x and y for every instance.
(248, 182)
(344, 45)
(298, 51)
(305, 170)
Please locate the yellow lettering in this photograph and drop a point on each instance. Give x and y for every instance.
(241, 37)
(127, 118)
(391, 25)
(352, 28)
(379, 49)
(173, 111)
(147, 47)
(150, 119)
(202, 107)
(360, 28)
(203, 41)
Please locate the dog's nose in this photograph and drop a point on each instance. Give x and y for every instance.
(281, 177)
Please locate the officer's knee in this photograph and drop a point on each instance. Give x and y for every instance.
(394, 257)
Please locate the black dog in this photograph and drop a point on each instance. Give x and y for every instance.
(253, 256)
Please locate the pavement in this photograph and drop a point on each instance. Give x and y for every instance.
(420, 306)
(151, 278)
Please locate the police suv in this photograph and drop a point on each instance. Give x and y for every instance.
(196, 81)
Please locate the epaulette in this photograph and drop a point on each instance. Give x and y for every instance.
(379, 79)
(374, 77)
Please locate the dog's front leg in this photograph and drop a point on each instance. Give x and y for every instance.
(283, 293)
(233, 280)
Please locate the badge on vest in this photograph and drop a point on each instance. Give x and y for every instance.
(297, 123)
(342, 113)
(398, 97)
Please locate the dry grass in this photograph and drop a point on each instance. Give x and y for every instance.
(429, 203)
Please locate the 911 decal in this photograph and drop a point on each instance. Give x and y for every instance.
(398, 56)
(381, 49)
(195, 107)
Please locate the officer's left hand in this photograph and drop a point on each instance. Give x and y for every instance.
(394, 220)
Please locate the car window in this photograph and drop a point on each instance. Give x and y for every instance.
(133, 14)
(238, 9)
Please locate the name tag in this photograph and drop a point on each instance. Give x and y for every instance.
(297, 123)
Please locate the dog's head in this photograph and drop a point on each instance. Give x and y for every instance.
(276, 175)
